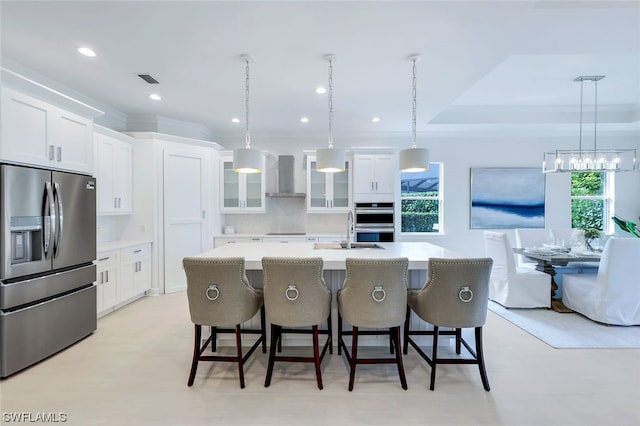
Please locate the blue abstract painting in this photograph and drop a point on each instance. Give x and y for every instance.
(507, 198)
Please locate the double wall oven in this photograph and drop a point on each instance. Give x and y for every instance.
(374, 222)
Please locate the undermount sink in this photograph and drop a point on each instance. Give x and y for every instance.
(343, 246)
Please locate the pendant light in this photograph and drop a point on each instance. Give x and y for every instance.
(247, 159)
(414, 159)
(330, 160)
(589, 160)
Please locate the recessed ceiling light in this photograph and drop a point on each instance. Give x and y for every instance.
(86, 51)
(321, 90)
(375, 119)
(304, 120)
(155, 97)
(235, 120)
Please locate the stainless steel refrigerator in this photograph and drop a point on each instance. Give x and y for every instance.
(47, 269)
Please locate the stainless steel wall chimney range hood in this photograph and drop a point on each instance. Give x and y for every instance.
(286, 175)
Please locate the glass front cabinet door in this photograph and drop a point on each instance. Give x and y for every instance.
(327, 192)
(241, 192)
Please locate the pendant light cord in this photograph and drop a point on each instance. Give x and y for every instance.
(581, 103)
(330, 102)
(413, 105)
(246, 94)
(595, 116)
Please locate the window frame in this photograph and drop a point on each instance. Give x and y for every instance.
(608, 198)
(439, 199)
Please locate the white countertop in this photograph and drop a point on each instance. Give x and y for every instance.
(334, 259)
(117, 245)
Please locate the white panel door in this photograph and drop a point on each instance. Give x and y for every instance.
(184, 212)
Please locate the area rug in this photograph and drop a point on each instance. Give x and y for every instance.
(569, 331)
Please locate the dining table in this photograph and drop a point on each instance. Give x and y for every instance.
(550, 258)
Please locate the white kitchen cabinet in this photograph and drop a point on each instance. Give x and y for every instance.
(241, 192)
(220, 241)
(114, 171)
(374, 177)
(37, 133)
(108, 267)
(135, 276)
(123, 276)
(327, 192)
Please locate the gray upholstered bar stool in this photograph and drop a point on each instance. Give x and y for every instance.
(455, 295)
(374, 296)
(296, 297)
(221, 297)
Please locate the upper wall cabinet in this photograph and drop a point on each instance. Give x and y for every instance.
(327, 192)
(114, 171)
(241, 192)
(374, 177)
(37, 133)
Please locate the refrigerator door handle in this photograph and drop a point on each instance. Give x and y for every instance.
(49, 218)
(60, 217)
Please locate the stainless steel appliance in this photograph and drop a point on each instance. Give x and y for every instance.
(374, 222)
(47, 270)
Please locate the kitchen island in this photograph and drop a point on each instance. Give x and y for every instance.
(334, 267)
(334, 258)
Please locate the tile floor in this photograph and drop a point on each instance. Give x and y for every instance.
(134, 369)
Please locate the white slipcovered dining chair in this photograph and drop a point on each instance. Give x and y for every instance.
(511, 286)
(529, 237)
(612, 296)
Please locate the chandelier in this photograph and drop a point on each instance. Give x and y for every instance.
(589, 160)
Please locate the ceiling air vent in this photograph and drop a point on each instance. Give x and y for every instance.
(148, 78)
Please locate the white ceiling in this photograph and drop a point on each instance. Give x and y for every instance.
(476, 56)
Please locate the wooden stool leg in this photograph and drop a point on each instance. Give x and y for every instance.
(405, 348)
(316, 356)
(354, 358)
(434, 359)
(340, 337)
(263, 328)
(330, 336)
(214, 339)
(395, 333)
(480, 356)
(196, 354)
(239, 355)
(272, 355)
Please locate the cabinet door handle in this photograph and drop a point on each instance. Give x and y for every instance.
(59, 152)
(101, 277)
(376, 186)
(204, 214)
(119, 202)
(106, 273)
(102, 259)
(51, 152)
(137, 251)
(115, 202)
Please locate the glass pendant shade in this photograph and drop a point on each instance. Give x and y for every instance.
(247, 160)
(414, 160)
(330, 160)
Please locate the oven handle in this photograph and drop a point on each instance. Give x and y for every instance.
(374, 211)
(381, 229)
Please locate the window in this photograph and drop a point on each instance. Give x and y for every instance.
(421, 199)
(591, 200)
